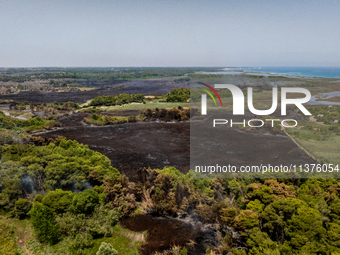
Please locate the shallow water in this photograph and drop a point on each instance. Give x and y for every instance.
(325, 72)
(313, 100)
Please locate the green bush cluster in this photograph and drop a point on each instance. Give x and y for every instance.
(66, 164)
(286, 216)
(45, 225)
(326, 114)
(117, 100)
(83, 217)
(99, 119)
(178, 95)
(36, 123)
(59, 216)
(106, 249)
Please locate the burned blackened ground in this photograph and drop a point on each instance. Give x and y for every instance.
(132, 146)
(225, 145)
(147, 87)
(165, 232)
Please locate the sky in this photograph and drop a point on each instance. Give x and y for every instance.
(223, 33)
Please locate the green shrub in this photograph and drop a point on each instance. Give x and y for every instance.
(22, 207)
(80, 242)
(8, 244)
(117, 100)
(247, 219)
(45, 225)
(184, 251)
(58, 200)
(38, 198)
(85, 202)
(106, 249)
(178, 95)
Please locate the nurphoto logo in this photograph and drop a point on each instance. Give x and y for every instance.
(238, 104)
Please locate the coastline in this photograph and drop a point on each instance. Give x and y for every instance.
(310, 72)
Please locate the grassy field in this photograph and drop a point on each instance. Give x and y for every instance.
(124, 241)
(23, 231)
(326, 149)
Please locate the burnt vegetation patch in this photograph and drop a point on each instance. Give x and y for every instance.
(167, 115)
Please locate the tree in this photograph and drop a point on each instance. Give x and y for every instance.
(44, 223)
(305, 226)
(22, 207)
(260, 243)
(275, 216)
(11, 192)
(247, 219)
(106, 249)
(178, 95)
(85, 202)
(58, 200)
(256, 206)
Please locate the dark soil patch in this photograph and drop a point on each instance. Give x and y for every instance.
(121, 112)
(163, 233)
(73, 120)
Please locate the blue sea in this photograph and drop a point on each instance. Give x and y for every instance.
(325, 72)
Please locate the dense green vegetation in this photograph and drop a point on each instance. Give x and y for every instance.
(40, 174)
(12, 131)
(101, 120)
(178, 95)
(36, 123)
(78, 197)
(63, 164)
(117, 100)
(326, 114)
